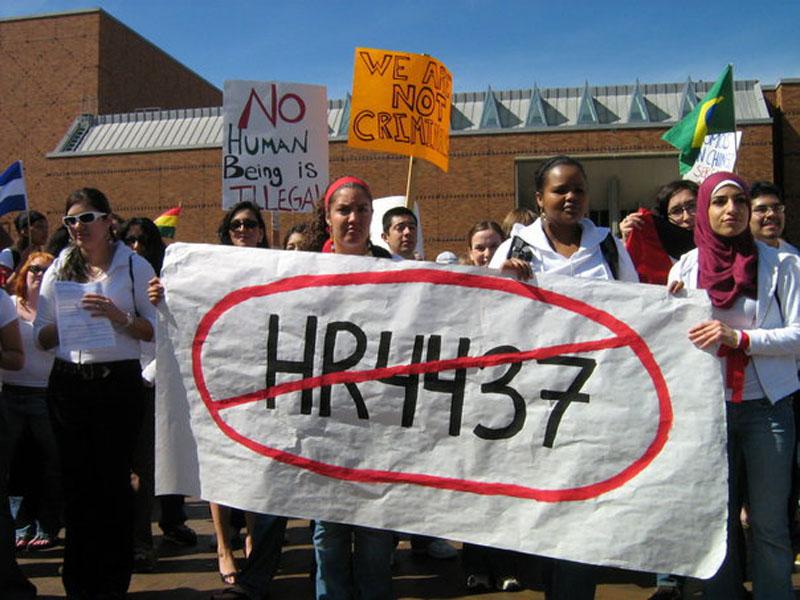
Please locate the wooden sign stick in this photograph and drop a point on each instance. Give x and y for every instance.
(410, 187)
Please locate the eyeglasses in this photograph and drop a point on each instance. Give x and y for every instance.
(246, 223)
(85, 217)
(689, 208)
(36, 269)
(762, 209)
(132, 239)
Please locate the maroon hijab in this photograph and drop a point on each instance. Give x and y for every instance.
(728, 266)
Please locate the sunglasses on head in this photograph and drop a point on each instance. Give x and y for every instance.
(85, 217)
(132, 239)
(36, 269)
(246, 223)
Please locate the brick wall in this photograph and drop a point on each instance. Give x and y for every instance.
(136, 74)
(787, 103)
(479, 185)
(58, 67)
(49, 77)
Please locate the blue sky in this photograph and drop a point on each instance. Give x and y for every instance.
(484, 43)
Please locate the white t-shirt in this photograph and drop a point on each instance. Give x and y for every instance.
(38, 362)
(8, 313)
(127, 290)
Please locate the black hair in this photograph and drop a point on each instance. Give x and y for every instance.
(154, 247)
(668, 190)
(224, 229)
(397, 211)
(550, 164)
(74, 266)
(59, 240)
(765, 188)
(21, 220)
(299, 228)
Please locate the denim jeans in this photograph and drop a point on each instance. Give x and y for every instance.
(29, 420)
(760, 451)
(353, 562)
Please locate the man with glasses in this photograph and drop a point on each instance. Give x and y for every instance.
(768, 215)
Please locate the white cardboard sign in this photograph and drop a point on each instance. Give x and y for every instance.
(275, 145)
(718, 153)
(564, 417)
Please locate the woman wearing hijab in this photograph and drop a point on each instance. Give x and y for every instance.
(756, 332)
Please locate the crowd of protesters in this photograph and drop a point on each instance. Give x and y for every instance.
(76, 427)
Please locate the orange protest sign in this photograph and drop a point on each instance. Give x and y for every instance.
(401, 104)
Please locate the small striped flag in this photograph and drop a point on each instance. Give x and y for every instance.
(168, 221)
(12, 189)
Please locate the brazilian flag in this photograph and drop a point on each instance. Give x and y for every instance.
(715, 114)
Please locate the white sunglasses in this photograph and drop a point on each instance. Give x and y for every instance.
(84, 217)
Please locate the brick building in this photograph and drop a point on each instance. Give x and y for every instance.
(88, 102)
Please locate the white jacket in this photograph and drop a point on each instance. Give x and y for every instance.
(776, 339)
(587, 262)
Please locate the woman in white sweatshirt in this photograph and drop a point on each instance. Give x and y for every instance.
(756, 332)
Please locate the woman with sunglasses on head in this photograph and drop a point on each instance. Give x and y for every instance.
(95, 397)
(755, 295)
(25, 402)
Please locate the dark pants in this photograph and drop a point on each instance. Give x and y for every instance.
(144, 465)
(172, 512)
(569, 580)
(13, 584)
(262, 564)
(496, 563)
(96, 417)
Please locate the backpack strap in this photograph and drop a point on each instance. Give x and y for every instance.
(133, 284)
(611, 254)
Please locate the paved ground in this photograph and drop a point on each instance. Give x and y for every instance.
(191, 573)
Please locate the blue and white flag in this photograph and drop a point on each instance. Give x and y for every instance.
(12, 189)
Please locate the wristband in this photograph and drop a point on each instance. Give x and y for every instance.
(744, 341)
(128, 320)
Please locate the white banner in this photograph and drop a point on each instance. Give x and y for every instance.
(275, 144)
(718, 153)
(567, 417)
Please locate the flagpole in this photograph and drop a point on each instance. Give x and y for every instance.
(27, 201)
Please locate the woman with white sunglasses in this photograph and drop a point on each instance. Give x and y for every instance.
(95, 396)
